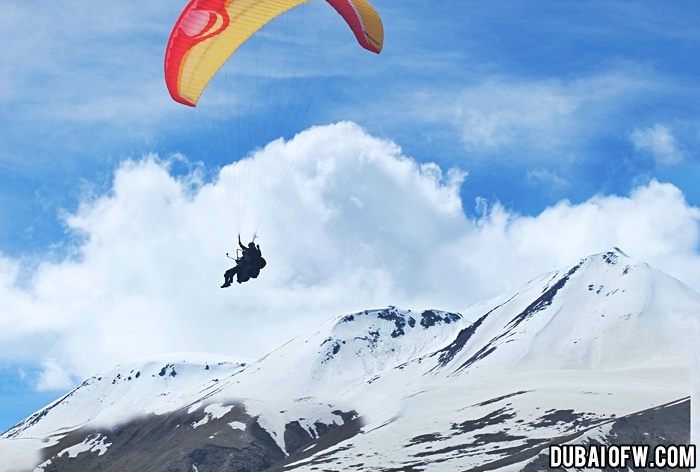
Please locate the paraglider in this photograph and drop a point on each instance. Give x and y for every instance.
(248, 265)
(207, 34)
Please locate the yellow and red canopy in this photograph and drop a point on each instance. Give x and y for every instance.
(208, 32)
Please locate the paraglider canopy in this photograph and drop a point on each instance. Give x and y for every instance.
(208, 32)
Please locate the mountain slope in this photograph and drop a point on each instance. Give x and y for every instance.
(565, 358)
(590, 314)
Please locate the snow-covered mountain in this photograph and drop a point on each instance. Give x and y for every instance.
(595, 352)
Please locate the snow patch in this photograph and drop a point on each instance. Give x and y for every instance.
(212, 412)
(95, 444)
(237, 425)
(90, 444)
(217, 410)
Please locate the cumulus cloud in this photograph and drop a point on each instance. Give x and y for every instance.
(354, 224)
(659, 142)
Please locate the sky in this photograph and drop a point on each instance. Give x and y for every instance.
(488, 143)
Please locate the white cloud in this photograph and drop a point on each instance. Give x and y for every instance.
(357, 225)
(54, 376)
(654, 224)
(77, 52)
(658, 141)
(546, 176)
(542, 119)
(495, 115)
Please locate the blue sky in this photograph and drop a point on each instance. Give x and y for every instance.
(505, 138)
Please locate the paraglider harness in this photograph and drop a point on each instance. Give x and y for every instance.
(248, 263)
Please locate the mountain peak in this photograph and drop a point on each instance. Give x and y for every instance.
(613, 256)
(378, 338)
(618, 250)
(153, 384)
(403, 319)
